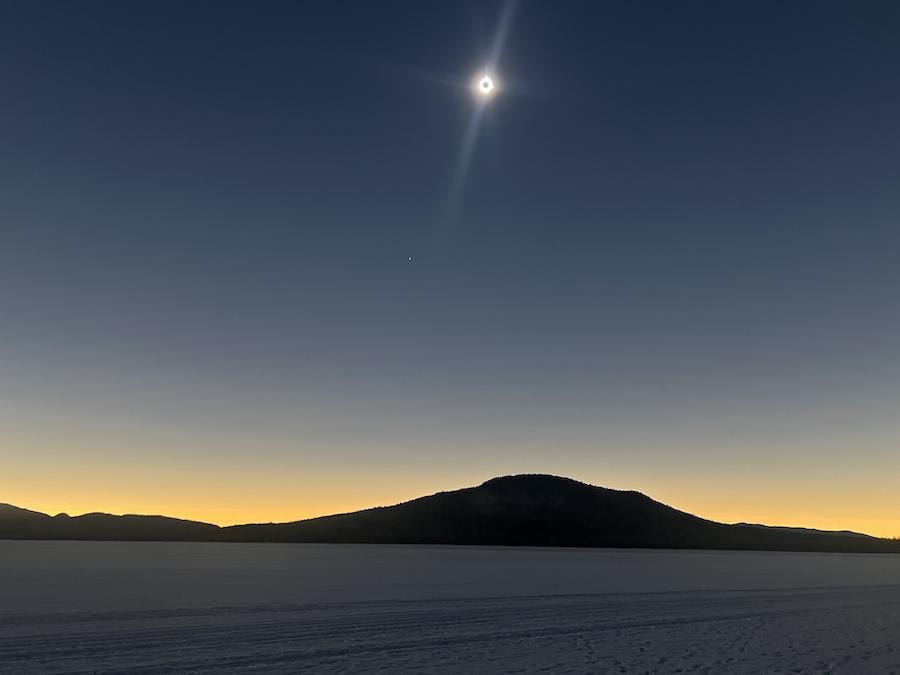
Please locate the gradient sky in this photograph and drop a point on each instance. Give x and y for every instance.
(673, 266)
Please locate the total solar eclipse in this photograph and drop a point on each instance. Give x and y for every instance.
(485, 85)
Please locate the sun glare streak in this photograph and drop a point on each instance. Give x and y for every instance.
(506, 14)
(485, 87)
(461, 169)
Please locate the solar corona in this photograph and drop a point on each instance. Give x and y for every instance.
(486, 86)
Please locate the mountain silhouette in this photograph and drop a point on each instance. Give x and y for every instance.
(16, 523)
(525, 510)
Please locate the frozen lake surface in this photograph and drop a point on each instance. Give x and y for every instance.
(110, 607)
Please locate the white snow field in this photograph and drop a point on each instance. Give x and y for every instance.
(111, 607)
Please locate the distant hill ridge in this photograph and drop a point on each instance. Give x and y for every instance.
(524, 510)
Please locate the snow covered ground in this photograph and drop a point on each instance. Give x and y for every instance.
(72, 607)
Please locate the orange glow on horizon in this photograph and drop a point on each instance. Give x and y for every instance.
(216, 480)
(276, 504)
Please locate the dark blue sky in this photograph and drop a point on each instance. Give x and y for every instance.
(678, 231)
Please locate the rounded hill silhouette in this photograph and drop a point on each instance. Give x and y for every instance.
(523, 510)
